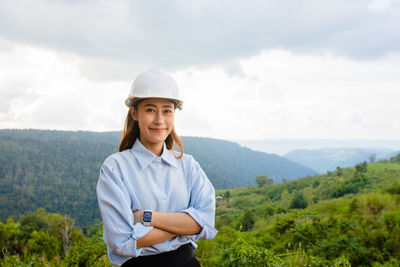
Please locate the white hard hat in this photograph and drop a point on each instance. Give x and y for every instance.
(154, 83)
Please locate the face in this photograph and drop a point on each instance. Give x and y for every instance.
(156, 121)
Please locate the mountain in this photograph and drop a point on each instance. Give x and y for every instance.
(327, 159)
(58, 170)
(237, 166)
(283, 146)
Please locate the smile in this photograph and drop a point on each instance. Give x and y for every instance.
(157, 129)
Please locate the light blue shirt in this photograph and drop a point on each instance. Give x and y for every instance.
(137, 179)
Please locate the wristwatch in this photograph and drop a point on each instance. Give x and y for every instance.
(147, 215)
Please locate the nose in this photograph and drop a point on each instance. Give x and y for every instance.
(158, 117)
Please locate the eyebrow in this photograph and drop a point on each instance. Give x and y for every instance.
(152, 105)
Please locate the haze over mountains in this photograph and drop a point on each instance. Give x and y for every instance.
(283, 146)
(324, 155)
(328, 159)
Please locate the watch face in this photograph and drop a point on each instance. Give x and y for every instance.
(147, 216)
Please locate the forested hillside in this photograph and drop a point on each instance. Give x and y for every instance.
(227, 164)
(58, 170)
(237, 166)
(349, 217)
(58, 175)
(327, 159)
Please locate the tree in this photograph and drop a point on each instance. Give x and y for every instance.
(372, 158)
(299, 202)
(395, 159)
(339, 171)
(261, 180)
(88, 252)
(247, 221)
(227, 194)
(286, 198)
(32, 222)
(362, 167)
(43, 243)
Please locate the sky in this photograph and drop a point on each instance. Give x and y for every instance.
(311, 69)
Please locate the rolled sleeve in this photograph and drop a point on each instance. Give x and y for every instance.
(207, 231)
(202, 203)
(119, 230)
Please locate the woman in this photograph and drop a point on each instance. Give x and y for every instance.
(154, 202)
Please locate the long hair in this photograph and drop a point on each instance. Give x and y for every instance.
(131, 132)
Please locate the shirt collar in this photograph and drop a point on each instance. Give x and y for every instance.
(145, 157)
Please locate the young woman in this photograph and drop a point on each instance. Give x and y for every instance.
(154, 201)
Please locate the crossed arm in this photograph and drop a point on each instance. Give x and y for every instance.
(165, 226)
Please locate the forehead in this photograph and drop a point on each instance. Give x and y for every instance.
(161, 102)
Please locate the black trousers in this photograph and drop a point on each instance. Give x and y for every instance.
(181, 257)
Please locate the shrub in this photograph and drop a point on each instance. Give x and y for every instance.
(242, 253)
(299, 202)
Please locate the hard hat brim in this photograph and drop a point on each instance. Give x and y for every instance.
(130, 101)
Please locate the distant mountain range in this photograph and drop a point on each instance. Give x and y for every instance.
(327, 159)
(284, 146)
(58, 170)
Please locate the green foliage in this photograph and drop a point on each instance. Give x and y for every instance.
(247, 221)
(242, 253)
(227, 194)
(299, 202)
(262, 180)
(358, 229)
(353, 185)
(59, 175)
(393, 189)
(339, 171)
(88, 252)
(42, 243)
(10, 237)
(38, 238)
(362, 167)
(395, 159)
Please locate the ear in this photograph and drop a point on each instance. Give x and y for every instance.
(133, 113)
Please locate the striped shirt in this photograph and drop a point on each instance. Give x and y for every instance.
(137, 179)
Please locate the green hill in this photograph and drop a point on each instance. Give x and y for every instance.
(237, 166)
(350, 216)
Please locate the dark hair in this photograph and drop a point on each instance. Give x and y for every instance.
(131, 132)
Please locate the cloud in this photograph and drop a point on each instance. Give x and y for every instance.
(254, 69)
(179, 34)
(44, 89)
(280, 94)
(274, 94)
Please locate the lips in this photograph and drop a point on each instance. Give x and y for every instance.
(158, 129)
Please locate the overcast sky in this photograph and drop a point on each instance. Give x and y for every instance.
(247, 69)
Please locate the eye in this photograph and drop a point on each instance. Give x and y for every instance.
(150, 110)
(168, 111)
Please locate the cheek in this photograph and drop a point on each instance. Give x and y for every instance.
(170, 121)
(144, 118)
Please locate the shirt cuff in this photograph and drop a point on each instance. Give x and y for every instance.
(207, 231)
(140, 231)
